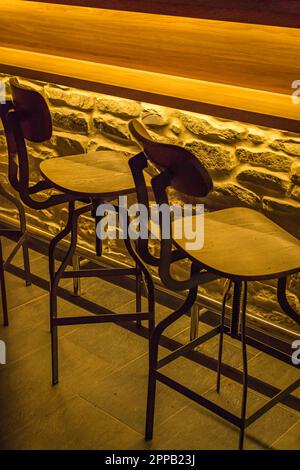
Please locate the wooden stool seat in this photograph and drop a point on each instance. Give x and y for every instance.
(95, 174)
(243, 244)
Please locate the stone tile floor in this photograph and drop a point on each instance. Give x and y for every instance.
(100, 400)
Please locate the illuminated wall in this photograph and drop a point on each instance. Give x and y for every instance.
(251, 166)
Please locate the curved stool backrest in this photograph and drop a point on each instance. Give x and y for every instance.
(179, 169)
(33, 113)
(189, 176)
(26, 117)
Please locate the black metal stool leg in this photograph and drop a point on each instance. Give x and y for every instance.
(73, 223)
(138, 292)
(54, 339)
(148, 288)
(153, 355)
(54, 281)
(149, 282)
(236, 310)
(151, 306)
(245, 369)
(194, 322)
(3, 289)
(221, 341)
(98, 241)
(76, 280)
(25, 250)
(26, 264)
(52, 246)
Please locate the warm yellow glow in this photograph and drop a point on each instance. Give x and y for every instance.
(65, 70)
(200, 65)
(253, 56)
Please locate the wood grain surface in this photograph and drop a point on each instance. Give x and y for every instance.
(101, 174)
(243, 244)
(245, 55)
(231, 102)
(229, 70)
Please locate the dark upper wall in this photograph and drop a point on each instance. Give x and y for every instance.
(268, 12)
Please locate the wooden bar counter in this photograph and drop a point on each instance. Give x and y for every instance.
(227, 69)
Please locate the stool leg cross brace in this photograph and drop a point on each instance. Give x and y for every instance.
(55, 276)
(237, 330)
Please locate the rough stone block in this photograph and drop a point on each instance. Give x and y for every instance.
(36, 85)
(263, 296)
(2, 144)
(214, 157)
(72, 98)
(295, 193)
(152, 117)
(264, 181)
(289, 146)
(119, 107)
(175, 128)
(273, 161)
(114, 127)
(256, 139)
(39, 152)
(295, 173)
(96, 145)
(233, 194)
(207, 131)
(165, 139)
(294, 283)
(72, 121)
(67, 145)
(7, 90)
(286, 206)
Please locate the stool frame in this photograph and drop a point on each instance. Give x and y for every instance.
(236, 330)
(55, 276)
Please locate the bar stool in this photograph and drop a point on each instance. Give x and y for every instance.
(88, 179)
(240, 245)
(20, 236)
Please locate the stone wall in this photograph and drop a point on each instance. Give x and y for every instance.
(251, 166)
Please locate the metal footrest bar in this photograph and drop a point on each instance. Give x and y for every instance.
(220, 411)
(276, 399)
(187, 347)
(101, 318)
(276, 353)
(98, 272)
(201, 400)
(14, 251)
(266, 348)
(55, 276)
(10, 233)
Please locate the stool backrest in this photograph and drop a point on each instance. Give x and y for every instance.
(25, 117)
(179, 169)
(32, 111)
(189, 176)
